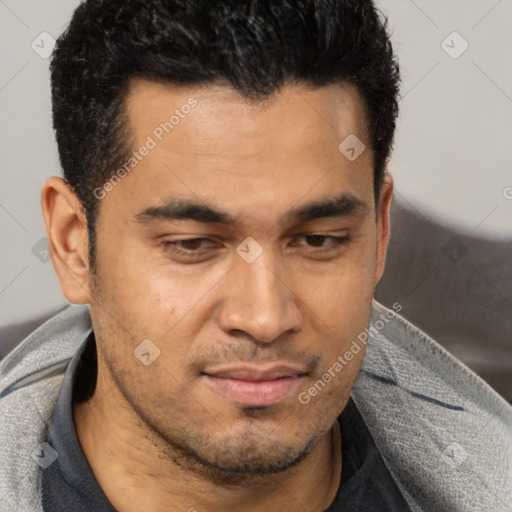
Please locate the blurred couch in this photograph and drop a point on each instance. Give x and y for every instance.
(455, 287)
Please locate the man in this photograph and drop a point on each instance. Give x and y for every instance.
(225, 215)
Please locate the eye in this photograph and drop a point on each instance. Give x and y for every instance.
(318, 240)
(187, 246)
(201, 249)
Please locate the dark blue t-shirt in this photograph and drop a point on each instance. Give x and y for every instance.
(68, 484)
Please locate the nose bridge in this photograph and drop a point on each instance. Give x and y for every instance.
(257, 300)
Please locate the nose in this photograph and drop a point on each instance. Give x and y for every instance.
(258, 301)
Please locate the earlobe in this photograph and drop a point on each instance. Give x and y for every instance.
(66, 230)
(383, 225)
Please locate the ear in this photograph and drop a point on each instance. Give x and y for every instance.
(66, 230)
(383, 224)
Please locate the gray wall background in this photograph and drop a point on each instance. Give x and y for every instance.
(450, 256)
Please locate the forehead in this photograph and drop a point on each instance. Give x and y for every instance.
(210, 144)
(223, 114)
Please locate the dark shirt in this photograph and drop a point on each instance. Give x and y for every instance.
(68, 484)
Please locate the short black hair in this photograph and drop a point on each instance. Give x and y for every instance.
(255, 46)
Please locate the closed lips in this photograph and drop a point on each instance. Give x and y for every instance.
(256, 374)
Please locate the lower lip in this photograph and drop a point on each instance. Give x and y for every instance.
(255, 393)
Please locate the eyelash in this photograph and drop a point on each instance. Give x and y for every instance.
(172, 246)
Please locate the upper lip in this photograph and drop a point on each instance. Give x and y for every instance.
(257, 372)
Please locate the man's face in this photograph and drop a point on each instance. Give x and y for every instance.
(244, 326)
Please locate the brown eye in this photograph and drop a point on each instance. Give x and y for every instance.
(321, 241)
(186, 245)
(191, 244)
(315, 240)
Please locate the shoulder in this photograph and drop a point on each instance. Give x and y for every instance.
(30, 379)
(443, 432)
(46, 349)
(25, 414)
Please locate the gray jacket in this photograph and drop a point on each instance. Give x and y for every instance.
(444, 434)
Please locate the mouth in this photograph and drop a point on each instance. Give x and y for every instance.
(255, 386)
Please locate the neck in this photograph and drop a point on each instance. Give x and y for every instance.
(137, 470)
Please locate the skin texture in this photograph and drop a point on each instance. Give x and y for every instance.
(158, 437)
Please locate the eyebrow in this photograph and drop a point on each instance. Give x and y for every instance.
(185, 209)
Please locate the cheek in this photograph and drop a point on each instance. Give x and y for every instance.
(144, 289)
(341, 298)
(162, 303)
(340, 311)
